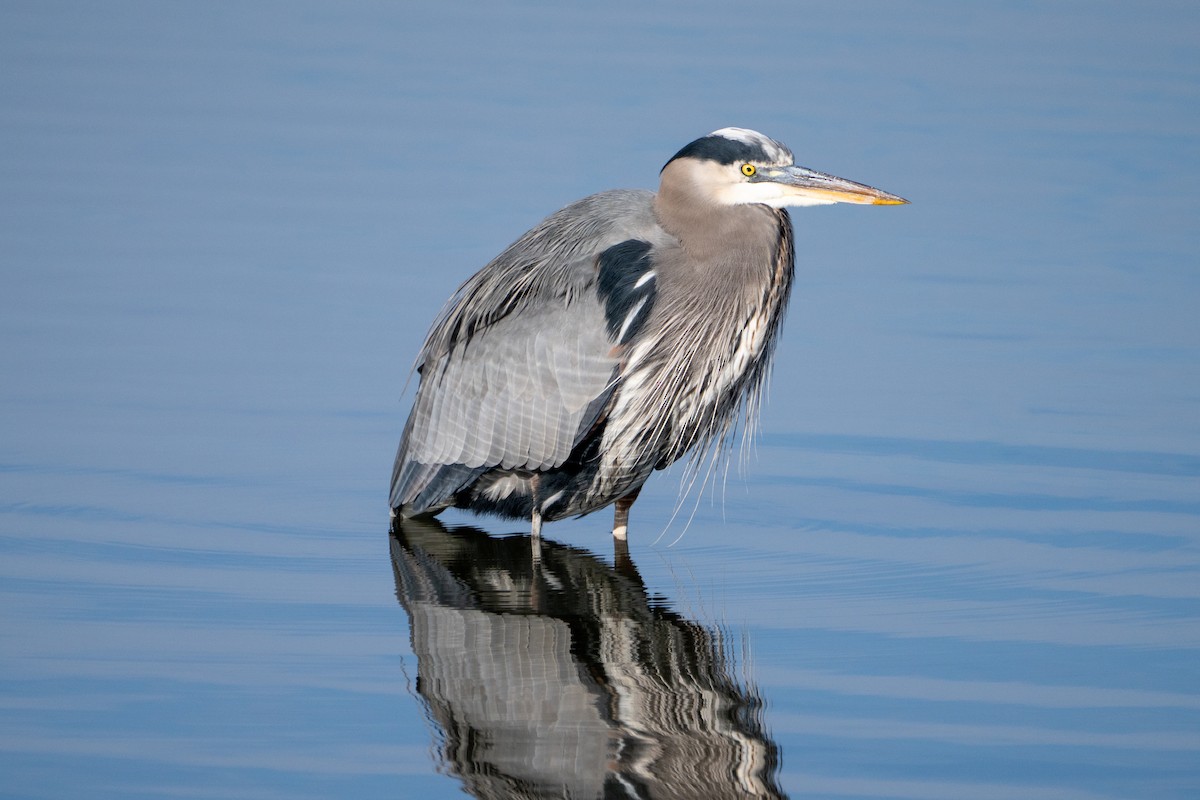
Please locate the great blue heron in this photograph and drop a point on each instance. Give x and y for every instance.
(621, 333)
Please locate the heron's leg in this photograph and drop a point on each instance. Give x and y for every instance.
(535, 537)
(621, 514)
(535, 548)
(622, 561)
(536, 504)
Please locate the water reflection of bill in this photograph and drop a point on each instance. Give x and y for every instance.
(559, 678)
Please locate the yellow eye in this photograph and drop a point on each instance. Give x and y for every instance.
(748, 170)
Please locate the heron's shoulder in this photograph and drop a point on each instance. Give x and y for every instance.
(554, 263)
(598, 221)
(617, 203)
(626, 283)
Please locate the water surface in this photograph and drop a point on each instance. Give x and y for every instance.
(962, 559)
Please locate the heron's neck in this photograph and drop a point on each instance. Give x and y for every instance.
(738, 243)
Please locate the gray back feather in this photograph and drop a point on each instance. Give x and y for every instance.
(518, 390)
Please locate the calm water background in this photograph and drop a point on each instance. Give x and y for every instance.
(963, 559)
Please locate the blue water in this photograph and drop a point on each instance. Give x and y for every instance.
(961, 560)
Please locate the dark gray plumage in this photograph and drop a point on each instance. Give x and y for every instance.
(621, 333)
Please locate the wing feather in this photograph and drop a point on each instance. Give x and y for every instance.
(521, 362)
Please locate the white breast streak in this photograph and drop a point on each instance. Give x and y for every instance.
(552, 499)
(624, 416)
(749, 346)
(629, 318)
(629, 415)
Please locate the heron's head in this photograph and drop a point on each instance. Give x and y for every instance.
(736, 166)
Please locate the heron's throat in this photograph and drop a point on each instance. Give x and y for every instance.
(742, 243)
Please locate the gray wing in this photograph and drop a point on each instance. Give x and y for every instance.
(520, 363)
(516, 395)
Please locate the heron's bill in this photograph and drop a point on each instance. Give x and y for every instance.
(818, 187)
(868, 195)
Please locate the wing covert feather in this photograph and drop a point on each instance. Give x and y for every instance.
(517, 394)
(520, 362)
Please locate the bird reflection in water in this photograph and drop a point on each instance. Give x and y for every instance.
(556, 676)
